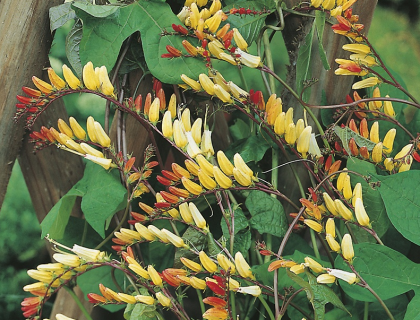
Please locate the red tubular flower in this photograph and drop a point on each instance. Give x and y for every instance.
(215, 314)
(152, 164)
(215, 288)
(138, 216)
(337, 146)
(328, 163)
(215, 302)
(313, 194)
(174, 51)
(353, 147)
(95, 298)
(162, 99)
(335, 167)
(162, 205)
(353, 126)
(170, 279)
(29, 311)
(170, 175)
(220, 281)
(138, 103)
(258, 99)
(129, 164)
(182, 30)
(118, 248)
(25, 100)
(130, 252)
(164, 181)
(32, 92)
(364, 152)
(266, 253)
(416, 156)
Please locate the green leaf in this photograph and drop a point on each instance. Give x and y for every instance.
(95, 10)
(413, 309)
(56, 220)
(88, 283)
(242, 234)
(104, 196)
(320, 24)
(59, 15)
(303, 62)
(388, 272)
(249, 26)
(402, 202)
(345, 134)
(239, 130)
(72, 47)
(103, 38)
(250, 149)
(196, 240)
(372, 199)
(267, 214)
(140, 311)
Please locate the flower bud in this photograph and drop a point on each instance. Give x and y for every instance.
(180, 171)
(241, 165)
(192, 167)
(180, 138)
(197, 283)
(191, 186)
(206, 181)
(330, 227)
(405, 151)
(341, 180)
(374, 132)
(158, 233)
(279, 124)
(360, 212)
(242, 178)
(197, 216)
(207, 263)
(357, 48)
(163, 300)
(167, 130)
(366, 83)
(174, 239)
(347, 248)
(192, 83)
(205, 165)
(206, 144)
(303, 141)
(194, 266)
(206, 83)
(297, 269)
(357, 193)
(389, 140)
(238, 92)
(347, 192)
(105, 84)
(316, 3)
(192, 149)
(222, 94)
(213, 23)
(343, 210)
(55, 80)
(325, 278)
(105, 163)
(154, 109)
(242, 266)
(185, 213)
(90, 126)
(239, 40)
(388, 109)
(406, 165)
(290, 134)
(100, 135)
(42, 86)
(389, 164)
(215, 6)
(145, 299)
(144, 232)
(78, 131)
(328, 4)
(252, 290)
(64, 128)
(70, 78)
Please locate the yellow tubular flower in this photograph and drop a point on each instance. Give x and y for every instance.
(55, 80)
(90, 255)
(389, 164)
(206, 166)
(213, 23)
(104, 163)
(215, 48)
(206, 181)
(215, 6)
(127, 298)
(343, 210)
(133, 265)
(180, 138)
(158, 233)
(388, 108)
(207, 263)
(330, 204)
(303, 141)
(242, 178)
(70, 260)
(404, 152)
(330, 227)
(366, 83)
(154, 276)
(194, 266)
(341, 180)
(334, 245)
(242, 266)
(192, 148)
(163, 300)
(249, 60)
(363, 59)
(221, 179)
(205, 14)
(153, 114)
(172, 105)
(377, 152)
(349, 277)
(225, 263)
(90, 126)
(196, 130)
(377, 104)
(87, 149)
(206, 83)
(192, 167)
(374, 132)
(73, 145)
(347, 192)
(70, 78)
(290, 134)
(64, 128)
(228, 58)
(197, 216)
(314, 265)
(347, 248)
(325, 278)
(197, 283)
(357, 193)
(328, 4)
(313, 225)
(252, 290)
(206, 144)
(105, 84)
(389, 141)
(297, 269)
(357, 48)
(241, 165)
(194, 15)
(279, 124)
(78, 131)
(336, 11)
(43, 276)
(131, 234)
(101, 136)
(224, 163)
(239, 40)
(192, 83)
(316, 3)
(191, 186)
(167, 130)
(90, 78)
(360, 212)
(218, 79)
(237, 92)
(185, 213)
(300, 125)
(42, 86)
(186, 119)
(144, 232)
(406, 165)
(222, 94)
(145, 299)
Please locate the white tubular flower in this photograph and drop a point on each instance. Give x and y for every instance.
(349, 277)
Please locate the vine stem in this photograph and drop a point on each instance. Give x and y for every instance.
(78, 302)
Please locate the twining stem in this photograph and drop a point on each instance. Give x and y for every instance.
(366, 311)
(200, 299)
(78, 302)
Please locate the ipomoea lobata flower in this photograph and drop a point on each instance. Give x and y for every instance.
(252, 290)
(366, 83)
(303, 141)
(360, 212)
(347, 248)
(349, 277)
(242, 266)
